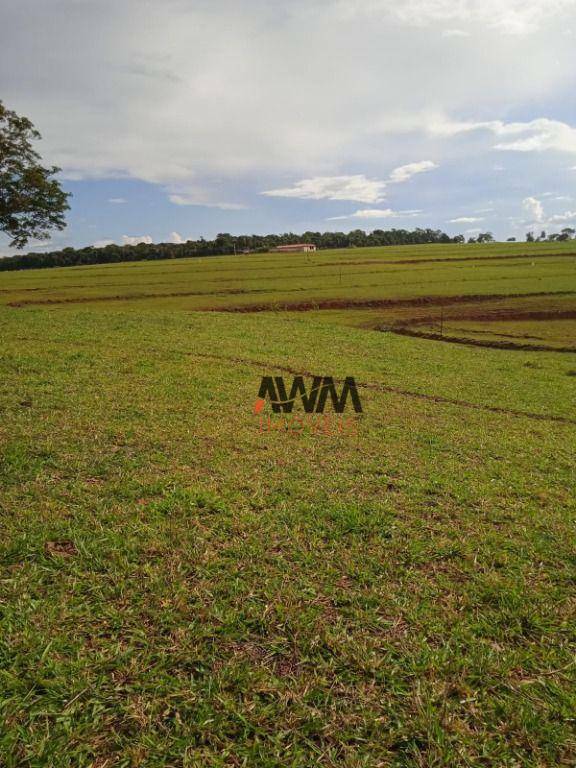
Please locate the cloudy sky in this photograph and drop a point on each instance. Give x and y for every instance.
(179, 118)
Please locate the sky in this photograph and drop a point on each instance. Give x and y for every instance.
(175, 119)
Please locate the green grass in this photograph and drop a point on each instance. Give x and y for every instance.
(180, 589)
(350, 275)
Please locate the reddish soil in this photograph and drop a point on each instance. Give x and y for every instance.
(472, 342)
(417, 301)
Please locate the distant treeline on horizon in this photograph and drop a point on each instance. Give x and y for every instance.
(223, 244)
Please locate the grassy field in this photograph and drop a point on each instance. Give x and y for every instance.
(179, 588)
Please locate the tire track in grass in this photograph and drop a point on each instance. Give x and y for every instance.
(296, 306)
(470, 341)
(445, 300)
(412, 329)
(438, 399)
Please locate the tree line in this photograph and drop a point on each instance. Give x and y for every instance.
(222, 244)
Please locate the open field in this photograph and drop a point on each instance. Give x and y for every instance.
(264, 279)
(179, 588)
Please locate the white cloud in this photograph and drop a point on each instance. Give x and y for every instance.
(534, 136)
(128, 240)
(357, 188)
(534, 209)
(176, 238)
(376, 213)
(455, 33)
(544, 134)
(136, 240)
(509, 17)
(113, 100)
(562, 217)
(116, 200)
(466, 219)
(195, 199)
(405, 172)
(214, 77)
(538, 217)
(102, 243)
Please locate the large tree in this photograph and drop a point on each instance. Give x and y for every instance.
(31, 200)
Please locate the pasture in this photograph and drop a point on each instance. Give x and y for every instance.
(180, 588)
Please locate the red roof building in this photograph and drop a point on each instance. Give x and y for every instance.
(296, 248)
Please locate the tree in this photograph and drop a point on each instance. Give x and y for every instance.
(529, 237)
(485, 237)
(223, 243)
(31, 201)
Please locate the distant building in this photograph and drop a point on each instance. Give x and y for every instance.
(296, 248)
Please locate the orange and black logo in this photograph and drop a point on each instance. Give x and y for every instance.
(320, 407)
(314, 400)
